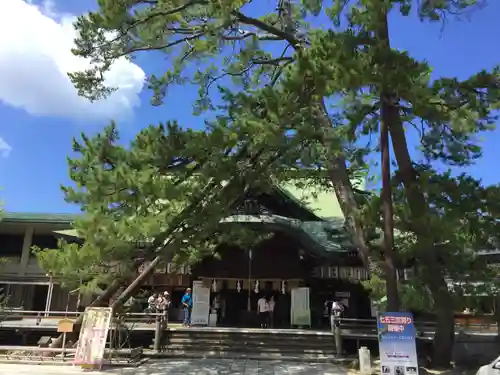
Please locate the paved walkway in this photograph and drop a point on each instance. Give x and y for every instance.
(188, 367)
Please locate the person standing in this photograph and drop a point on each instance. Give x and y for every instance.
(151, 309)
(217, 307)
(272, 303)
(327, 312)
(166, 306)
(187, 305)
(336, 313)
(152, 302)
(263, 312)
(161, 305)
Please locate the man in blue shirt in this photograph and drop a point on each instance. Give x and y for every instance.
(187, 304)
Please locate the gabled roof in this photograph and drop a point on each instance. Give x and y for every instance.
(320, 237)
(324, 236)
(319, 200)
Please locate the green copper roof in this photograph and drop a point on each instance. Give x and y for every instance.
(320, 200)
(322, 237)
(26, 217)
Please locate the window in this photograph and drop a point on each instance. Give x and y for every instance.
(11, 244)
(44, 241)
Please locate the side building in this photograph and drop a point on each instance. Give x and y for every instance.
(23, 283)
(25, 286)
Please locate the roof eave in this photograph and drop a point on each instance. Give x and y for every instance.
(42, 218)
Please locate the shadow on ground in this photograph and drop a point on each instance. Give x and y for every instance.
(229, 367)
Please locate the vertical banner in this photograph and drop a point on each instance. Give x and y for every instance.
(300, 308)
(374, 310)
(396, 338)
(201, 304)
(93, 336)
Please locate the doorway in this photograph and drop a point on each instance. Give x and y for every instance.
(40, 297)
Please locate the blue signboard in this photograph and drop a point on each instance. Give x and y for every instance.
(396, 338)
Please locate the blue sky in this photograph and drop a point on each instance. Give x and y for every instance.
(40, 114)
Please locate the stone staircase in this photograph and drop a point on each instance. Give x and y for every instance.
(263, 344)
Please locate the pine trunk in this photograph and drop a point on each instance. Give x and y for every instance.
(445, 335)
(432, 273)
(391, 277)
(138, 281)
(344, 192)
(497, 315)
(101, 301)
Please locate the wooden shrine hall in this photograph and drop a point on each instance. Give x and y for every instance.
(308, 247)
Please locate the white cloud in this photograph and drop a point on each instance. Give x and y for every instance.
(35, 55)
(5, 148)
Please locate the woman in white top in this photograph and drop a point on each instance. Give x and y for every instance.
(263, 311)
(337, 309)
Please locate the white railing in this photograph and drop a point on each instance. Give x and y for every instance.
(44, 317)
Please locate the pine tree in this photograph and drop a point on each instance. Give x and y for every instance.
(464, 237)
(164, 195)
(160, 199)
(346, 68)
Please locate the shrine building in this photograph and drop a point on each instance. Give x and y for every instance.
(308, 247)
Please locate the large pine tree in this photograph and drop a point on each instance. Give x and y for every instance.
(330, 71)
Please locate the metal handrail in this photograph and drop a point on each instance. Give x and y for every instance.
(76, 313)
(12, 348)
(36, 312)
(48, 316)
(366, 324)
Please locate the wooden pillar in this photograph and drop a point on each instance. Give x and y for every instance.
(50, 292)
(338, 339)
(158, 332)
(26, 251)
(23, 265)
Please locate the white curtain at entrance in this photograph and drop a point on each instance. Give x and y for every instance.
(283, 287)
(256, 288)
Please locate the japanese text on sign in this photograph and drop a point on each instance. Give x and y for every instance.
(395, 328)
(399, 337)
(388, 319)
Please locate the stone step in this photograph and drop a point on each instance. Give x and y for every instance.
(259, 333)
(298, 357)
(248, 349)
(258, 344)
(243, 341)
(249, 337)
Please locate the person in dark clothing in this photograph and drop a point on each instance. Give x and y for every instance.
(327, 310)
